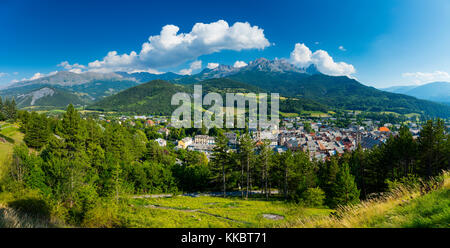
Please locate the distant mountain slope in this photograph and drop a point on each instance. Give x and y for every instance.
(304, 88)
(225, 85)
(346, 93)
(143, 77)
(436, 91)
(317, 92)
(153, 97)
(48, 97)
(90, 84)
(338, 92)
(66, 78)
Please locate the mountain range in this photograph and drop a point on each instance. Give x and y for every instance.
(301, 88)
(435, 91)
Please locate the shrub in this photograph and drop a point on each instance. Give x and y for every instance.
(313, 197)
(104, 214)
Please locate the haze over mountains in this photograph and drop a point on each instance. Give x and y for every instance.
(435, 91)
(303, 88)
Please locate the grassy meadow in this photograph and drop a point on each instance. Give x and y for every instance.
(209, 211)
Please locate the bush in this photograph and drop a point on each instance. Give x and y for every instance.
(32, 206)
(313, 197)
(104, 214)
(411, 181)
(10, 140)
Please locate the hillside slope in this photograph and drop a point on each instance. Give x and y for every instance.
(339, 92)
(153, 97)
(402, 208)
(435, 91)
(48, 97)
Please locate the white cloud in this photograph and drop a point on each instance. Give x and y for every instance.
(239, 64)
(171, 48)
(3, 74)
(212, 65)
(426, 77)
(303, 57)
(193, 66)
(342, 48)
(39, 75)
(75, 68)
(67, 66)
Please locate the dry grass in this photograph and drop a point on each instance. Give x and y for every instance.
(10, 218)
(370, 212)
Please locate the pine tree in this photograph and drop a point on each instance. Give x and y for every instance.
(221, 160)
(246, 150)
(264, 162)
(432, 148)
(37, 131)
(344, 188)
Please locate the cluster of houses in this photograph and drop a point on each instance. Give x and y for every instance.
(320, 142)
(320, 139)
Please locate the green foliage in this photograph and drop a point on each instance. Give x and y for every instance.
(313, 197)
(8, 109)
(344, 188)
(37, 131)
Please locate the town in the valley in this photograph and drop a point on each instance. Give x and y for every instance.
(320, 137)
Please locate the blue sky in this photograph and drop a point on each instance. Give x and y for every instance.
(383, 43)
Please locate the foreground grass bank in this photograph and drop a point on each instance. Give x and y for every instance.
(399, 209)
(402, 208)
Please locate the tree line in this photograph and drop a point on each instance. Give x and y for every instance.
(8, 109)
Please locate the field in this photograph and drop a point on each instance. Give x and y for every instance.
(209, 211)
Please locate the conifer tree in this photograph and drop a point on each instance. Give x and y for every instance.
(37, 131)
(344, 188)
(246, 150)
(264, 162)
(221, 159)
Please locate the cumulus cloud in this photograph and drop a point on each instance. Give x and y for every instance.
(342, 48)
(239, 64)
(39, 75)
(171, 48)
(426, 77)
(302, 56)
(193, 66)
(212, 65)
(76, 68)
